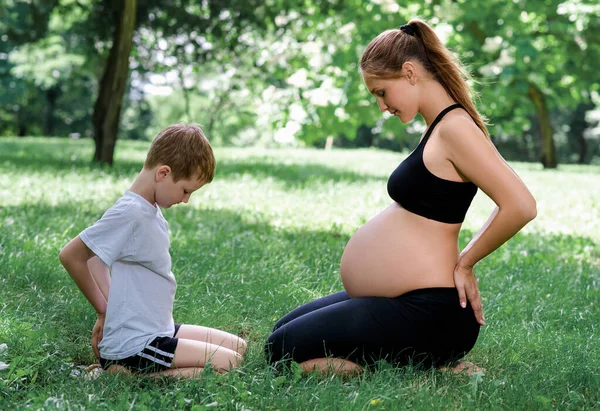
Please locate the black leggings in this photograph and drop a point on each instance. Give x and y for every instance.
(424, 327)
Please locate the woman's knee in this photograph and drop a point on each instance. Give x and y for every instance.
(275, 347)
(268, 348)
(278, 324)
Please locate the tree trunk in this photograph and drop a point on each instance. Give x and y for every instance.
(107, 109)
(577, 128)
(22, 130)
(51, 96)
(21, 124)
(582, 149)
(186, 95)
(548, 155)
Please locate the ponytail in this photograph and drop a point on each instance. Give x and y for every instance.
(386, 54)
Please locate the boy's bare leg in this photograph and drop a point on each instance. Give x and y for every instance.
(331, 365)
(212, 336)
(196, 354)
(174, 372)
(118, 369)
(194, 372)
(190, 358)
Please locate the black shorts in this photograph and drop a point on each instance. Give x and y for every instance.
(425, 326)
(156, 356)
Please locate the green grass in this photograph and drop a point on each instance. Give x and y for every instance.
(266, 236)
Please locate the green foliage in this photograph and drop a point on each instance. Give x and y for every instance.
(25, 20)
(48, 81)
(46, 62)
(265, 236)
(506, 45)
(259, 72)
(510, 44)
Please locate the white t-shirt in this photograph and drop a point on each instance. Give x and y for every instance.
(132, 239)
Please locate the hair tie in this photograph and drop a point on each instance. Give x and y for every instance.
(408, 29)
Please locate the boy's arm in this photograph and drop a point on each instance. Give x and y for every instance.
(101, 275)
(74, 257)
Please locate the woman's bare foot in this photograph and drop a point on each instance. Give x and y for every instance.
(463, 366)
(331, 365)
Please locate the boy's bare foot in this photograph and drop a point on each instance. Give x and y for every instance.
(91, 367)
(463, 366)
(92, 372)
(117, 369)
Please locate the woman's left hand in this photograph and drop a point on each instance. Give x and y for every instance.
(466, 284)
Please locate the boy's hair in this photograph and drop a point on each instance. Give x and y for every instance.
(185, 149)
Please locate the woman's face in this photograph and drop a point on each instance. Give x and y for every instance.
(397, 96)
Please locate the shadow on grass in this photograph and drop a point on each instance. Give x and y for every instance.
(293, 175)
(238, 273)
(241, 258)
(40, 155)
(52, 155)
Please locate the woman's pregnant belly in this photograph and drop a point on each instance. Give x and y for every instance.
(398, 251)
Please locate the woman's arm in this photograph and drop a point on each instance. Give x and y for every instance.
(476, 158)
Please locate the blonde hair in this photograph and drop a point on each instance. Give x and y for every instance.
(387, 52)
(185, 149)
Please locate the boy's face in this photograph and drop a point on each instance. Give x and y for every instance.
(169, 193)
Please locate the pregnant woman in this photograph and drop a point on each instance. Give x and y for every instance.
(410, 295)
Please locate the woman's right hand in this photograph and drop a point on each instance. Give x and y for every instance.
(468, 290)
(97, 333)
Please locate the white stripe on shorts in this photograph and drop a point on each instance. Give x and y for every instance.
(154, 359)
(161, 352)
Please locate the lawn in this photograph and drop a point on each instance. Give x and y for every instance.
(266, 236)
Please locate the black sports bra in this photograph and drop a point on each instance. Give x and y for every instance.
(417, 190)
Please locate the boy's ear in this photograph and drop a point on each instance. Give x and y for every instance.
(162, 172)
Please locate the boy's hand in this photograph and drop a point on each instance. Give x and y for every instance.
(97, 334)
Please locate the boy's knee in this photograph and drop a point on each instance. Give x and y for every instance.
(242, 347)
(233, 360)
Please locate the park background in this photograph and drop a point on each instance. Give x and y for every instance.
(303, 155)
(284, 73)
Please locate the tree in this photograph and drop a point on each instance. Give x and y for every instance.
(107, 110)
(47, 78)
(25, 21)
(20, 22)
(217, 22)
(532, 57)
(50, 67)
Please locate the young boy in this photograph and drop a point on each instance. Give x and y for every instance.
(135, 328)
